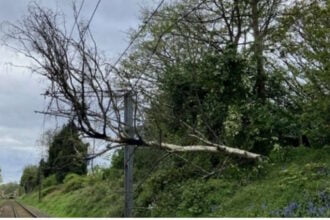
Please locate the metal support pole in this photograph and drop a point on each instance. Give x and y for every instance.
(40, 184)
(128, 156)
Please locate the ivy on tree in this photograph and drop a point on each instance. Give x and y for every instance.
(67, 154)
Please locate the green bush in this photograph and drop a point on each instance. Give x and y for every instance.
(49, 181)
(50, 189)
(73, 182)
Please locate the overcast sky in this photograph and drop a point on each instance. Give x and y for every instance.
(20, 91)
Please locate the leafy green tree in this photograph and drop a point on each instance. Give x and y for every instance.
(29, 179)
(67, 154)
(179, 36)
(306, 56)
(10, 188)
(211, 81)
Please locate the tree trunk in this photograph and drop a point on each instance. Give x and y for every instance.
(258, 52)
(211, 147)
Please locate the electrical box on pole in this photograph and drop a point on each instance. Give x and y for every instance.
(128, 156)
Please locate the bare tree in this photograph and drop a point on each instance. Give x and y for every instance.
(85, 88)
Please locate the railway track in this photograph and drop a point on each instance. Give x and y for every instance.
(15, 209)
(26, 210)
(14, 212)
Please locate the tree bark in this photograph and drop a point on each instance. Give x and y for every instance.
(258, 52)
(214, 148)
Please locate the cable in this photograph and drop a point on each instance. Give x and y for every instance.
(138, 33)
(76, 19)
(88, 23)
(92, 16)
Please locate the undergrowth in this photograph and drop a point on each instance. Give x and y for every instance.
(290, 183)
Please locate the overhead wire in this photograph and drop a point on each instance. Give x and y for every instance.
(76, 18)
(88, 24)
(139, 32)
(93, 14)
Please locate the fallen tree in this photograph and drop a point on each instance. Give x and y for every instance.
(88, 90)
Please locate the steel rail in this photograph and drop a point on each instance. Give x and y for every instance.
(14, 211)
(26, 209)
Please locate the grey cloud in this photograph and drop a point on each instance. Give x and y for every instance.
(12, 162)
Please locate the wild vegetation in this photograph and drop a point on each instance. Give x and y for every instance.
(230, 110)
(9, 189)
(66, 155)
(293, 183)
